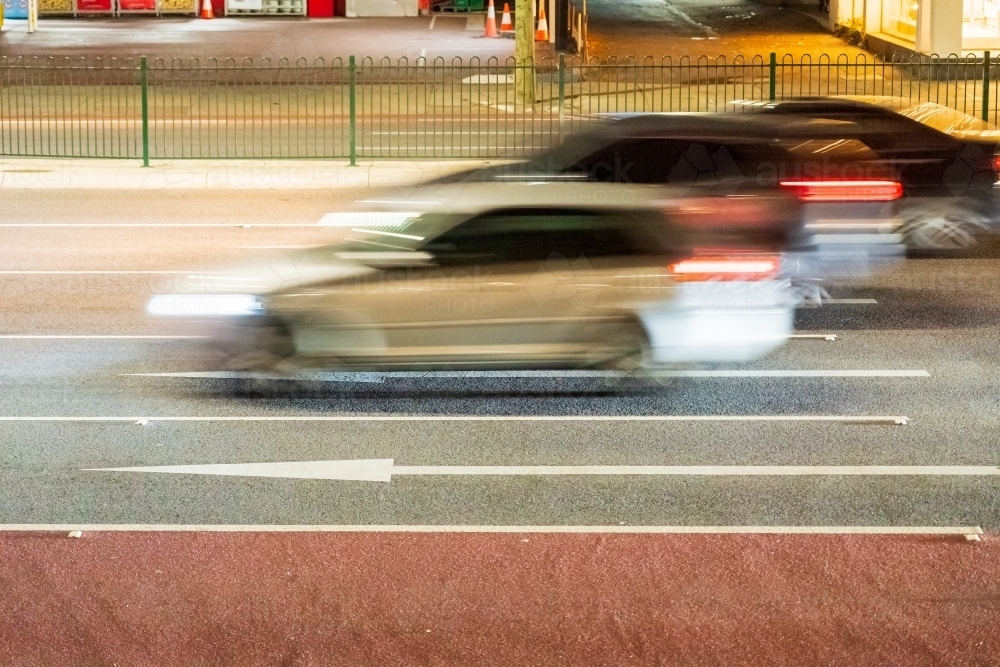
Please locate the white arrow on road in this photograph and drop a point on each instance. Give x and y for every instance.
(382, 470)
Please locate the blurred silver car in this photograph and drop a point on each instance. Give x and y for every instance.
(481, 276)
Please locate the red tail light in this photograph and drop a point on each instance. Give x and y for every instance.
(732, 267)
(996, 165)
(844, 191)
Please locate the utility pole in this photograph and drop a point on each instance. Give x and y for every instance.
(524, 52)
(583, 34)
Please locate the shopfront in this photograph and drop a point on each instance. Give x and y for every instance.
(899, 18)
(169, 7)
(925, 26)
(981, 21)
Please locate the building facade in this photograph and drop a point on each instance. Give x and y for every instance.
(939, 27)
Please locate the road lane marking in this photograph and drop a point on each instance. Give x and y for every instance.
(91, 337)
(151, 224)
(431, 132)
(850, 302)
(847, 419)
(830, 337)
(446, 528)
(83, 273)
(376, 377)
(382, 470)
(802, 373)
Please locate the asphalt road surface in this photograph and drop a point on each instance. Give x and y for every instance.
(492, 556)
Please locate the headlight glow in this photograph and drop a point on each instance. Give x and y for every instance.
(205, 304)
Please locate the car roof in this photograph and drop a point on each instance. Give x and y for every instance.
(730, 127)
(936, 116)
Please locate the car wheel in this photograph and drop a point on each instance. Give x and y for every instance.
(258, 345)
(941, 227)
(631, 352)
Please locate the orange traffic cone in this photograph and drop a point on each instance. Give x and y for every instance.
(491, 21)
(206, 9)
(542, 33)
(506, 25)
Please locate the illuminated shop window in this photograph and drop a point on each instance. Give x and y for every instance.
(981, 18)
(899, 18)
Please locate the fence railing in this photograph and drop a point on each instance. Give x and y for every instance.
(345, 108)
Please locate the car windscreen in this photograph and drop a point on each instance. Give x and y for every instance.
(526, 234)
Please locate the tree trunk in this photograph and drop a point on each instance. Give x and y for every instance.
(524, 53)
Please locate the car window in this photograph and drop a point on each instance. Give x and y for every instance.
(882, 129)
(830, 149)
(678, 162)
(656, 160)
(520, 235)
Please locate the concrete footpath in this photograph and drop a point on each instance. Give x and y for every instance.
(53, 173)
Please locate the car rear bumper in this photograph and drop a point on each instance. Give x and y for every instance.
(716, 322)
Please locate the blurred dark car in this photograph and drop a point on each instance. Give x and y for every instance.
(947, 162)
(848, 192)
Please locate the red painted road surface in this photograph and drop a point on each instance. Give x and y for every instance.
(243, 599)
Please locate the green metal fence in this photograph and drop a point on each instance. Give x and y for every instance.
(346, 108)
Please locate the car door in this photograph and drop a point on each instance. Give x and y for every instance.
(510, 287)
(548, 280)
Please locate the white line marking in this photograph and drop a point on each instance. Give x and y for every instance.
(433, 19)
(373, 378)
(90, 337)
(86, 273)
(849, 419)
(348, 376)
(815, 336)
(444, 528)
(851, 302)
(431, 132)
(272, 247)
(83, 225)
(382, 470)
(804, 373)
(368, 219)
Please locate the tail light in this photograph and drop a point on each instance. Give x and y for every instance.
(726, 267)
(845, 191)
(996, 166)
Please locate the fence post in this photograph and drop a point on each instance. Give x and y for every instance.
(773, 77)
(562, 93)
(143, 79)
(986, 86)
(352, 97)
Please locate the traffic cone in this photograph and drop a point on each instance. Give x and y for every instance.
(506, 25)
(542, 33)
(206, 9)
(491, 21)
